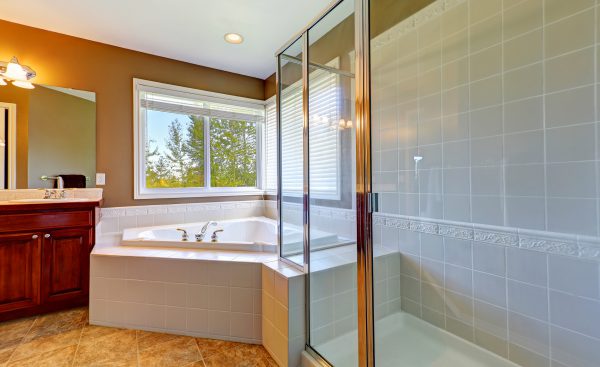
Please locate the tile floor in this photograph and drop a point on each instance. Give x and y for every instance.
(66, 339)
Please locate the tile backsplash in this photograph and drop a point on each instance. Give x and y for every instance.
(499, 99)
(116, 219)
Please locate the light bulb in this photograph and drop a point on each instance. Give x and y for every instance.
(234, 38)
(15, 71)
(349, 124)
(22, 84)
(2, 82)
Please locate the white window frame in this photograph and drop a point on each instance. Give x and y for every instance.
(270, 190)
(139, 133)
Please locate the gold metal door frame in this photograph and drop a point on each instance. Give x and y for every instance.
(364, 243)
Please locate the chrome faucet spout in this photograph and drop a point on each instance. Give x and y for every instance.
(200, 236)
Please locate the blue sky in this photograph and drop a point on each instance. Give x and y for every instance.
(158, 126)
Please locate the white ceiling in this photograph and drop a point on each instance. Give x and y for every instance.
(186, 30)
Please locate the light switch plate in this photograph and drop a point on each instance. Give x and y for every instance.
(100, 178)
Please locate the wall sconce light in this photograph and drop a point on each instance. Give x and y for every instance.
(19, 75)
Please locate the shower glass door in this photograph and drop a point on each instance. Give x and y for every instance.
(332, 290)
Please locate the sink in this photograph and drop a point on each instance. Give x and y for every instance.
(48, 201)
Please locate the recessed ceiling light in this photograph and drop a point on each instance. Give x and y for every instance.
(234, 38)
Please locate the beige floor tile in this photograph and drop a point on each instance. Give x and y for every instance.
(46, 343)
(11, 335)
(57, 323)
(148, 339)
(209, 347)
(57, 358)
(66, 339)
(245, 355)
(178, 351)
(107, 347)
(91, 333)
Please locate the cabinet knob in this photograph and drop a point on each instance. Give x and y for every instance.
(47, 235)
(35, 237)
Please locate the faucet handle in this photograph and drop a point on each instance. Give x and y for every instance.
(184, 234)
(214, 237)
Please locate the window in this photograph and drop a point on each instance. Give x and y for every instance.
(325, 103)
(194, 143)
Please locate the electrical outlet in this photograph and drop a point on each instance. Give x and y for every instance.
(100, 178)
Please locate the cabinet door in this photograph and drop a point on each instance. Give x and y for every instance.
(20, 256)
(66, 257)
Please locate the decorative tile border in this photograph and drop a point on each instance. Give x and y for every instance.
(549, 242)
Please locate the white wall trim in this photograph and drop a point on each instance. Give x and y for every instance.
(12, 144)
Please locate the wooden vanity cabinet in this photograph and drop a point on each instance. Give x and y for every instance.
(45, 256)
(20, 265)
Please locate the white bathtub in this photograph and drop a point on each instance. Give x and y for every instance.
(257, 234)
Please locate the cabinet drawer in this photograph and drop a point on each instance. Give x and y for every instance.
(47, 220)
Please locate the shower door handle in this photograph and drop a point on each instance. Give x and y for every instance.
(373, 202)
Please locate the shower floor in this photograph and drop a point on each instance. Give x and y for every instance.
(404, 340)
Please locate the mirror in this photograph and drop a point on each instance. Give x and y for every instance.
(46, 131)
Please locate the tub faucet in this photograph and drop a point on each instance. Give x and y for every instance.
(184, 234)
(200, 236)
(214, 237)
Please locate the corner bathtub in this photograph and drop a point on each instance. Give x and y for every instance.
(257, 234)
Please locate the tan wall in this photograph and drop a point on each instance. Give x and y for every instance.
(108, 71)
(62, 136)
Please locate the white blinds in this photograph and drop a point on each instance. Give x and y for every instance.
(200, 106)
(270, 161)
(324, 142)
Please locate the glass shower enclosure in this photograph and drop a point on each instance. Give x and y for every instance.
(440, 181)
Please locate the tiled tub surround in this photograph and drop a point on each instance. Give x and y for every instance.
(203, 293)
(204, 298)
(498, 225)
(283, 312)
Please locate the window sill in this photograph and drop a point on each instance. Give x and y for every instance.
(175, 193)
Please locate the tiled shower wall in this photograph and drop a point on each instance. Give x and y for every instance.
(499, 98)
(497, 225)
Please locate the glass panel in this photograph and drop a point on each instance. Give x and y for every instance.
(332, 162)
(174, 150)
(292, 156)
(232, 153)
(485, 156)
